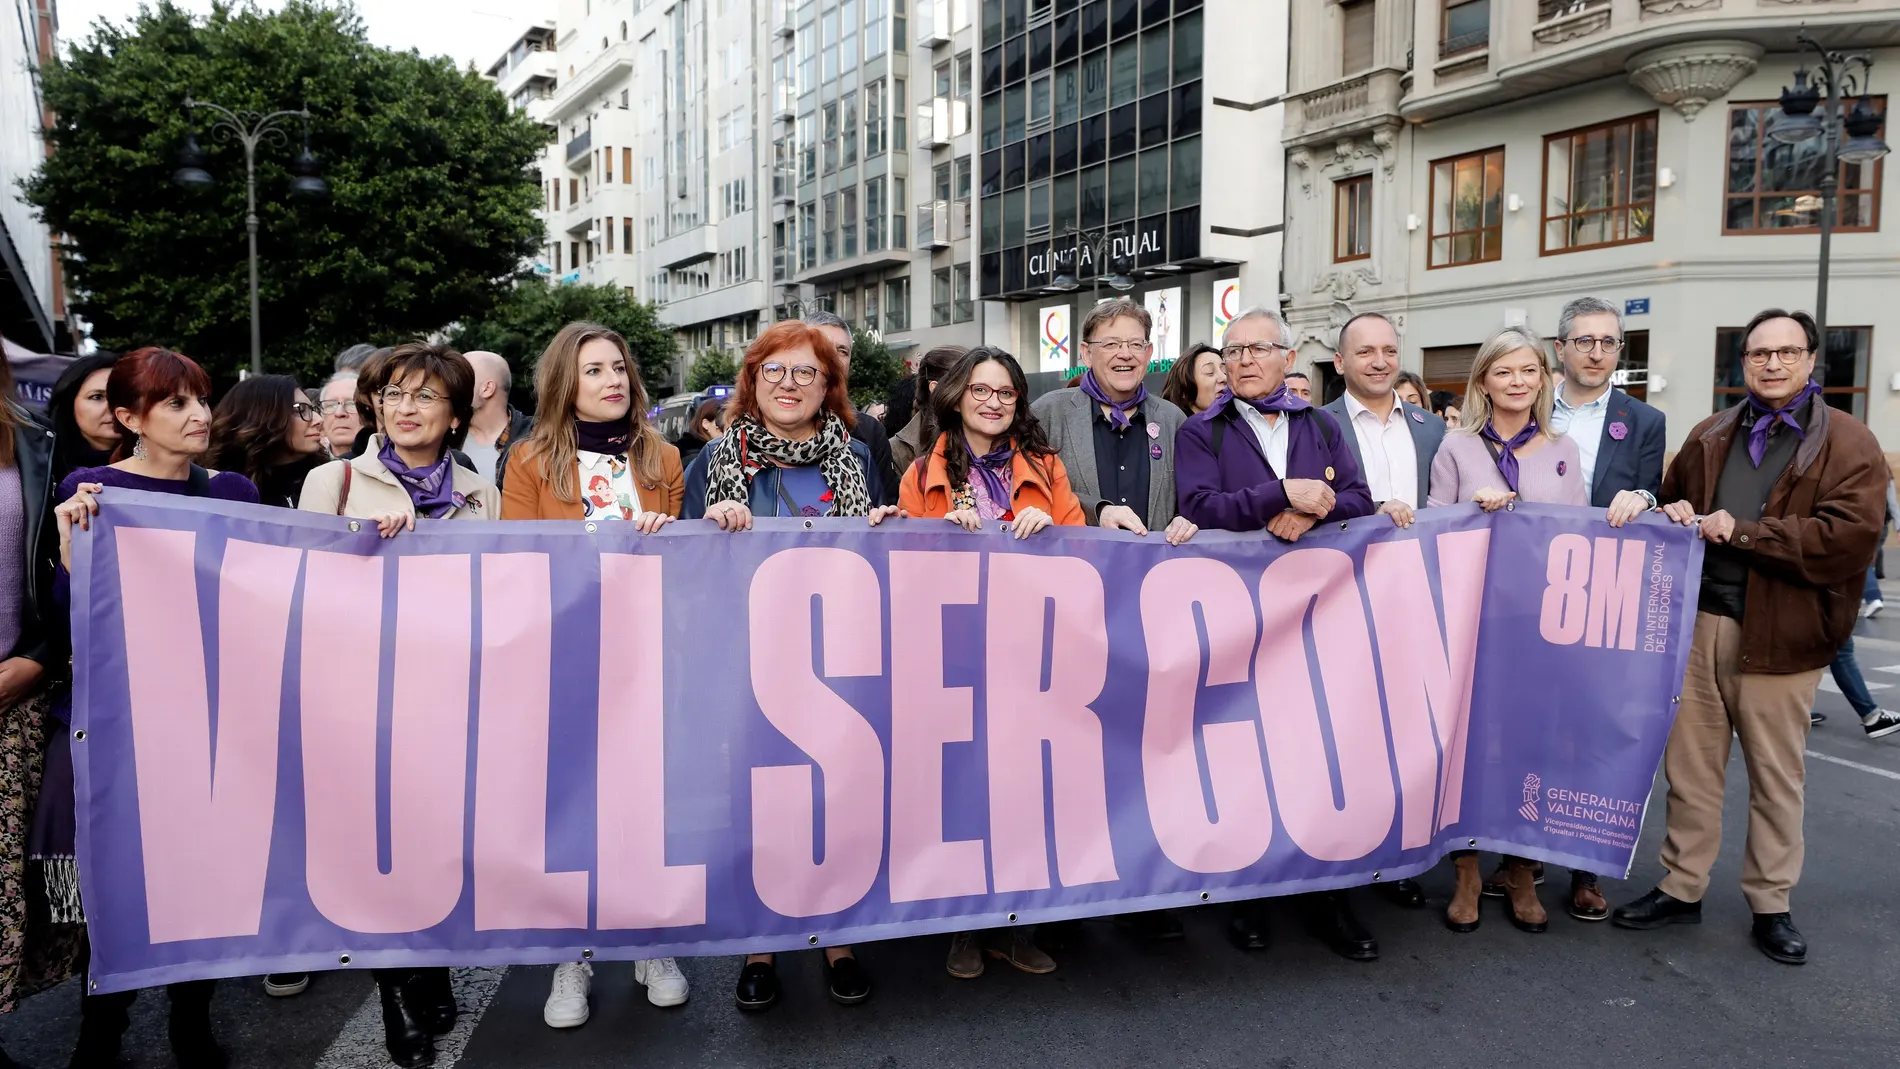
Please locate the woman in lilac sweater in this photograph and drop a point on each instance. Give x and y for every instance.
(1504, 450)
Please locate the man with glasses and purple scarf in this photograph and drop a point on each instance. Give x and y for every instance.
(1260, 458)
(1789, 494)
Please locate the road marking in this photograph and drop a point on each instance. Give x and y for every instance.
(1831, 687)
(1888, 668)
(360, 1043)
(1831, 759)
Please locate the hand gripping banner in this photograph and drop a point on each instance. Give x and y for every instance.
(301, 747)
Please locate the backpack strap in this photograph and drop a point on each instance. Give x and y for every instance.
(343, 496)
(198, 482)
(1219, 432)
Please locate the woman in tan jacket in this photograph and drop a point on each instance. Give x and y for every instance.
(591, 454)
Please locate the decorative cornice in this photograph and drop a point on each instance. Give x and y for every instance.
(1572, 27)
(1688, 76)
(1671, 7)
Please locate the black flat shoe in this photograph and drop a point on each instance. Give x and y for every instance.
(1247, 927)
(1406, 894)
(1656, 909)
(1154, 926)
(1329, 916)
(758, 986)
(846, 982)
(404, 1034)
(1775, 935)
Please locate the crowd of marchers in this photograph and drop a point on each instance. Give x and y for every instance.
(1790, 494)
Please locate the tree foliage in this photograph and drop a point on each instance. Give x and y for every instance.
(431, 206)
(874, 368)
(528, 316)
(713, 367)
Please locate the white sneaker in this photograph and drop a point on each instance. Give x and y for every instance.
(567, 998)
(1871, 609)
(666, 985)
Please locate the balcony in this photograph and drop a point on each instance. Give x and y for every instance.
(1559, 21)
(933, 23)
(578, 148)
(783, 14)
(933, 225)
(1344, 108)
(687, 247)
(784, 101)
(940, 120)
(593, 80)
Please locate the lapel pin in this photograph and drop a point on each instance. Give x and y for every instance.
(1562, 468)
(1154, 430)
(1418, 417)
(1329, 473)
(1154, 451)
(1619, 430)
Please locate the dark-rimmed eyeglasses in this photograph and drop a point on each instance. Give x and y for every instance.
(1004, 395)
(1260, 350)
(304, 411)
(1587, 345)
(802, 374)
(1789, 354)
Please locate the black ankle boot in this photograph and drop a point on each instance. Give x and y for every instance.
(189, 1026)
(102, 1023)
(430, 994)
(403, 1030)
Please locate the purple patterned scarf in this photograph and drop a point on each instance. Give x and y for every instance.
(432, 489)
(994, 469)
(1507, 457)
(1120, 413)
(1767, 415)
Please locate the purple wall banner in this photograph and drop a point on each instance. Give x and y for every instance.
(302, 747)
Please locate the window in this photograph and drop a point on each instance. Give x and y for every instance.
(849, 221)
(874, 120)
(1600, 185)
(807, 236)
(870, 307)
(897, 304)
(900, 236)
(966, 73)
(1842, 372)
(964, 308)
(1776, 187)
(874, 215)
(608, 230)
(940, 297)
(941, 76)
(873, 28)
(899, 128)
(607, 158)
(1467, 209)
(850, 129)
(1466, 27)
(626, 166)
(1448, 367)
(1355, 36)
(807, 142)
(1352, 218)
(626, 234)
(1039, 102)
(830, 202)
(831, 137)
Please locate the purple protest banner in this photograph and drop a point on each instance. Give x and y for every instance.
(300, 747)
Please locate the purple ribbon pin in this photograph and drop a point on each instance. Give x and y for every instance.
(1562, 468)
(1418, 417)
(1619, 430)
(1154, 450)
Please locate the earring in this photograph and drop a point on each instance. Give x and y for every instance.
(138, 448)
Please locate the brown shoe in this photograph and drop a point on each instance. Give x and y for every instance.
(1494, 883)
(1586, 902)
(1023, 955)
(1463, 915)
(966, 956)
(1527, 913)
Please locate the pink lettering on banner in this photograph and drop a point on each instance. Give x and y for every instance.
(925, 716)
(1241, 828)
(1616, 586)
(1427, 672)
(428, 739)
(1567, 597)
(513, 888)
(1020, 716)
(205, 836)
(638, 889)
(1296, 750)
(785, 842)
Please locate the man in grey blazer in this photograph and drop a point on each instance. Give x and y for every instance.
(1116, 441)
(1394, 442)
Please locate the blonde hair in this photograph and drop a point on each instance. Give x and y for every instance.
(557, 379)
(1477, 409)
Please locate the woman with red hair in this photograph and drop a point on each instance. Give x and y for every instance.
(788, 452)
(160, 402)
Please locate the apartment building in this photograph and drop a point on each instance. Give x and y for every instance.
(32, 297)
(1460, 165)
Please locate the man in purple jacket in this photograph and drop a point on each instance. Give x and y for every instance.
(1260, 457)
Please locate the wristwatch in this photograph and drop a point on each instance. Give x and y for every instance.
(1651, 498)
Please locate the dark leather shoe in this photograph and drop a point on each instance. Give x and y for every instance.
(433, 999)
(1330, 918)
(1775, 935)
(846, 982)
(1247, 927)
(404, 1034)
(1586, 900)
(1656, 909)
(758, 986)
(1154, 926)
(1406, 894)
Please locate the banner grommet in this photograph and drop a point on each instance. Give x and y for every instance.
(79, 735)
(342, 959)
(590, 528)
(811, 940)
(587, 954)
(1203, 896)
(1012, 918)
(354, 526)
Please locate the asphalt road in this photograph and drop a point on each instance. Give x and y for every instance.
(1581, 994)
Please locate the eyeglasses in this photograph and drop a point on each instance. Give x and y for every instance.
(1260, 350)
(335, 408)
(802, 374)
(1788, 354)
(1117, 347)
(1004, 396)
(392, 397)
(1587, 345)
(305, 411)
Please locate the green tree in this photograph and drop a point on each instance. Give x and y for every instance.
(431, 206)
(713, 367)
(528, 316)
(874, 368)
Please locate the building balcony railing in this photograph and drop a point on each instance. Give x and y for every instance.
(784, 101)
(933, 22)
(783, 14)
(933, 225)
(940, 120)
(1336, 104)
(580, 146)
(1557, 9)
(1464, 42)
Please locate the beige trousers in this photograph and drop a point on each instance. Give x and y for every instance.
(1770, 714)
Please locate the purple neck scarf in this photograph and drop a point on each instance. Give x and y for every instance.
(1120, 413)
(432, 489)
(1277, 401)
(1507, 451)
(1766, 416)
(609, 438)
(994, 470)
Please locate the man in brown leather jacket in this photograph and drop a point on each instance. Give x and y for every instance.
(1790, 495)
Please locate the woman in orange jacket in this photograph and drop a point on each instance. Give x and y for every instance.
(991, 460)
(591, 454)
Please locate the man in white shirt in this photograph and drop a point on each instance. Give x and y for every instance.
(1393, 441)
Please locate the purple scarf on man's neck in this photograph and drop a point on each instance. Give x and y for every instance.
(1279, 401)
(1120, 413)
(432, 489)
(1507, 451)
(994, 469)
(1767, 415)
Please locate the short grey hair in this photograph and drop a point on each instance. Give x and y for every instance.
(826, 319)
(340, 376)
(1587, 306)
(354, 357)
(1261, 311)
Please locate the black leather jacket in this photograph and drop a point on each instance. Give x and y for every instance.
(43, 631)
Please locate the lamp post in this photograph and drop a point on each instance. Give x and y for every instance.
(250, 128)
(1853, 139)
(1097, 246)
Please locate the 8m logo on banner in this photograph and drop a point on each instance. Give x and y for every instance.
(1593, 591)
